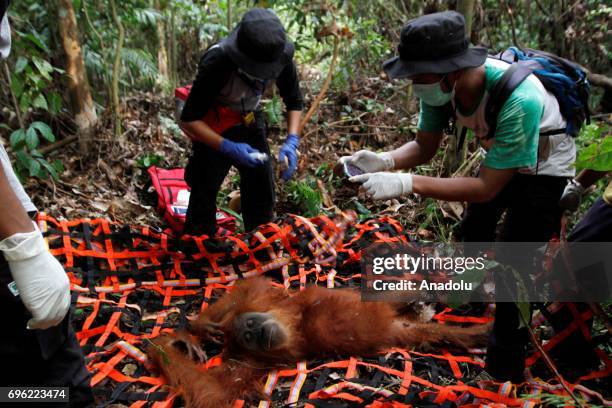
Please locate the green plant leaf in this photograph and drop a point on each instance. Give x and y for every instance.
(274, 111)
(23, 159)
(148, 160)
(58, 166)
(24, 101)
(16, 85)
(55, 102)
(525, 312)
(44, 130)
(50, 168)
(17, 138)
(40, 102)
(597, 156)
(34, 168)
(35, 153)
(34, 37)
(43, 67)
(31, 138)
(20, 64)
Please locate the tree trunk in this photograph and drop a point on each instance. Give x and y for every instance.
(466, 7)
(80, 94)
(162, 52)
(173, 54)
(117, 70)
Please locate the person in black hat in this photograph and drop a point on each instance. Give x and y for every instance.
(222, 117)
(38, 346)
(519, 175)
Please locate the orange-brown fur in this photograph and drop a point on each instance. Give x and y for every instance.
(216, 387)
(319, 322)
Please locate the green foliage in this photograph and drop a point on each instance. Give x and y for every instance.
(32, 81)
(149, 159)
(29, 160)
(596, 153)
(140, 65)
(306, 195)
(362, 210)
(371, 105)
(274, 111)
(434, 219)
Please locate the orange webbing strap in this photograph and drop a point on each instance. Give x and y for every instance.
(562, 335)
(140, 404)
(440, 393)
(452, 360)
(447, 356)
(407, 374)
(445, 316)
(269, 385)
(298, 383)
(167, 403)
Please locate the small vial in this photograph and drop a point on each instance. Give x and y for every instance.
(260, 157)
(351, 170)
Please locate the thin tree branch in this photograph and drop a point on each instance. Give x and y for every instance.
(512, 25)
(90, 24)
(548, 361)
(7, 72)
(116, 69)
(325, 87)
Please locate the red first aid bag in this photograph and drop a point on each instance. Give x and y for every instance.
(219, 118)
(173, 199)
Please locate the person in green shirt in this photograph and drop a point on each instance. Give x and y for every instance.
(522, 175)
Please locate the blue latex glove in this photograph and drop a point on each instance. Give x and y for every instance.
(242, 153)
(288, 154)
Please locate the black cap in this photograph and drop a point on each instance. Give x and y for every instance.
(259, 45)
(434, 43)
(3, 6)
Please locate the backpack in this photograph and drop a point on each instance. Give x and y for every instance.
(565, 79)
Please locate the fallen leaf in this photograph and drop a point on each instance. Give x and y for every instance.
(100, 205)
(129, 369)
(425, 234)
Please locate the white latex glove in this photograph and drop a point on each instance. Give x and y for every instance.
(572, 196)
(383, 185)
(370, 162)
(42, 282)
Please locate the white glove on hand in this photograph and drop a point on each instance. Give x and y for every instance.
(572, 196)
(370, 162)
(42, 282)
(382, 186)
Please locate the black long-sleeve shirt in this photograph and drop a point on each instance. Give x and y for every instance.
(218, 81)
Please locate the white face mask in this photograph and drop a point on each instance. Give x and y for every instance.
(5, 37)
(432, 94)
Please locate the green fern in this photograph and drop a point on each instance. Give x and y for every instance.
(140, 63)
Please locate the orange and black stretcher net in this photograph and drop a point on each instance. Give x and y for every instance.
(131, 283)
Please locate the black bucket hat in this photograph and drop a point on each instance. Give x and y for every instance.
(434, 44)
(258, 44)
